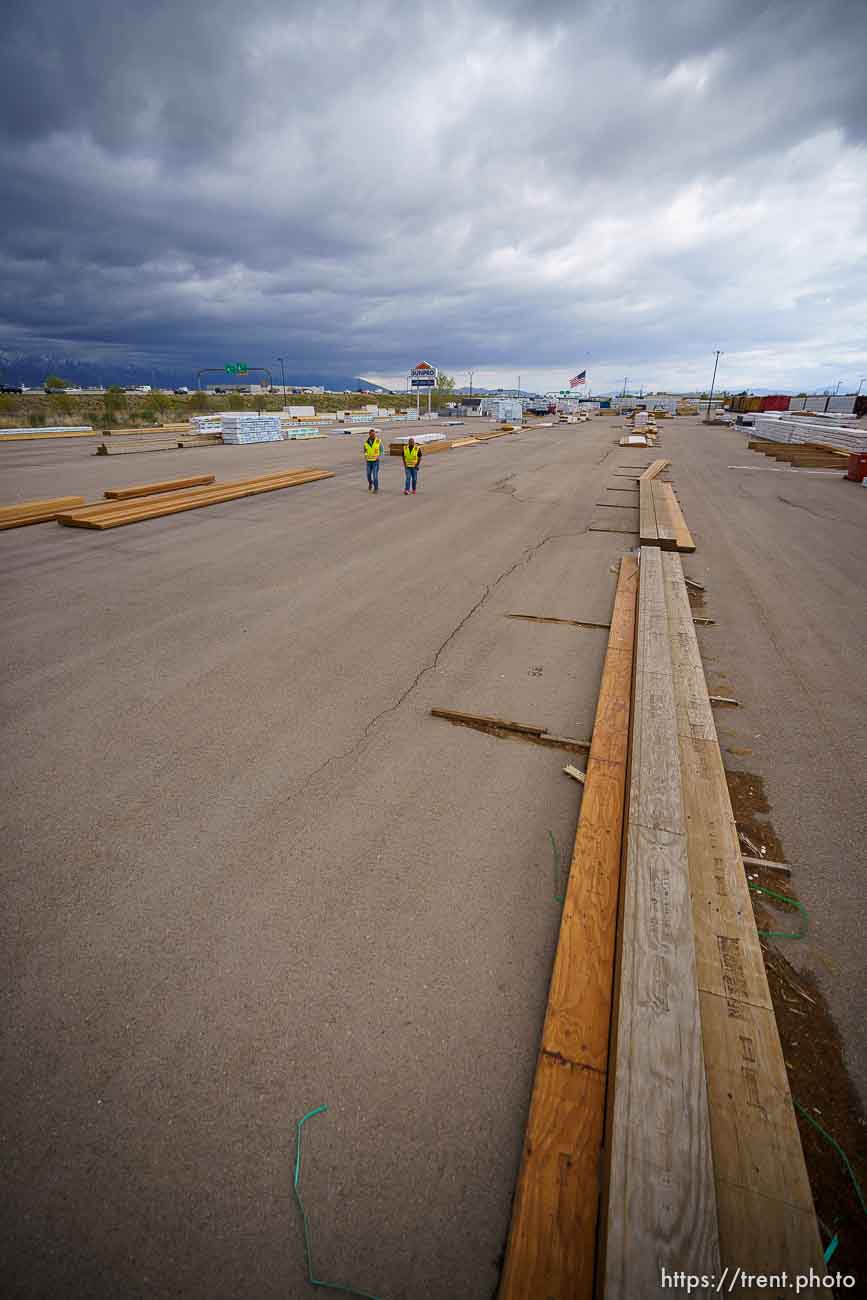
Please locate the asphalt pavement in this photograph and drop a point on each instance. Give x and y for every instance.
(247, 874)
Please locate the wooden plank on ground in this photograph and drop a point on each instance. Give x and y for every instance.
(662, 505)
(655, 469)
(660, 1198)
(551, 1243)
(114, 514)
(767, 1222)
(647, 529)
(682, 535)
(149, 489)
(36, 512)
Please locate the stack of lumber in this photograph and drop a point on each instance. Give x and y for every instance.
(152, 489)
(146, 442)
(661, 1133)
(797, 429)
(806, 455)
(428, 448)
(34, 435)
(36, 512)
(660, 518)
(113, 514)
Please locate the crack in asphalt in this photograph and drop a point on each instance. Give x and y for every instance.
(526, 555)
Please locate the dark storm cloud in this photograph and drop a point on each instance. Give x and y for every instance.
(356, 183)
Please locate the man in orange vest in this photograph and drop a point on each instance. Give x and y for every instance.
(372, 453)
(411, 462)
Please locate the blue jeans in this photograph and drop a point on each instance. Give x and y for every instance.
(411, 477)
(373, 474)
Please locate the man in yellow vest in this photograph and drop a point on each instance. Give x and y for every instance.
(411, 462)
(372, 453)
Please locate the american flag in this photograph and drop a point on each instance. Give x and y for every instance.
(578, 379)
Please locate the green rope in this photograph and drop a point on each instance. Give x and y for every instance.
(840, 1152)
(308, 1252)
(783, 898)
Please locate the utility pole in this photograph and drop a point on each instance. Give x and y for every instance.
(717, 356)
(625, 377)
(471, 373)
(283, 376)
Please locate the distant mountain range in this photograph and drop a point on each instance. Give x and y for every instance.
(31, 370)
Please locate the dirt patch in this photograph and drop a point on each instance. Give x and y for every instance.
(812, 1047)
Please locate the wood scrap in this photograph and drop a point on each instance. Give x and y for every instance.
(570, 622)
(504, 727)
(764, 862)
(574, 773)
(724, 699)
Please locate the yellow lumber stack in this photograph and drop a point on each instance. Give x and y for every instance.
(113, 514)
(36, 512)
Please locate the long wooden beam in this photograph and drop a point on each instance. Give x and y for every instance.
(553, 1231)
(660, 1197)
(36, 512)
(767, 1224)
(150, 489)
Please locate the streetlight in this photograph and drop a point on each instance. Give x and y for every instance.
(283, 374)
(717, 356)
(837, 387)
(471, 373)
(860, 382)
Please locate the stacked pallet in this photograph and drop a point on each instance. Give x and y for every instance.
(113, 514)
(660, 518)
(36, 512)
(804, 455)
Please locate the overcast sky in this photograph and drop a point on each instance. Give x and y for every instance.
(521, 187)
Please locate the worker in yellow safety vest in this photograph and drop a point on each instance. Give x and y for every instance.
(372, 453)
(411, 463)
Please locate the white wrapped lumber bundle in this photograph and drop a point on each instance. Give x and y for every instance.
(802, 429)
(244, 427)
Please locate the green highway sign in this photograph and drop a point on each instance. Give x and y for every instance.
(238, 368)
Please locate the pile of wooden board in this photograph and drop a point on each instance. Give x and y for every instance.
(113, 514)
(150, 441)
(661, 1134)
(661, 521)
(35, 435)
(805, 455)
(36, 512)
